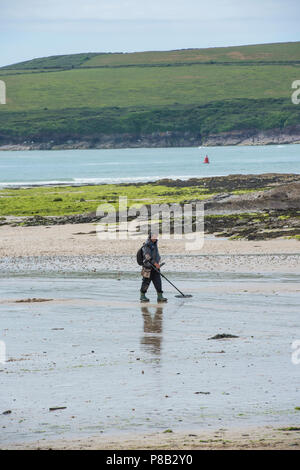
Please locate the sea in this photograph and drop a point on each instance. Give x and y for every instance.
(98, 166)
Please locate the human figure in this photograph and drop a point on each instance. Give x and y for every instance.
(151, 258)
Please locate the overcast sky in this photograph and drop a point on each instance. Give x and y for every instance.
(37, 28)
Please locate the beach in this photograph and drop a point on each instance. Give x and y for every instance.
(79, 244)
(219, 439)
(150, 228)
(125, 375)
(88, 366)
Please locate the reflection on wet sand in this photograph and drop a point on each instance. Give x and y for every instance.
(152, 338)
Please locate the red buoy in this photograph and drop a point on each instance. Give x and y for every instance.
(206, 160)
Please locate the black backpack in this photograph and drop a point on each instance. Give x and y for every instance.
(140, 256)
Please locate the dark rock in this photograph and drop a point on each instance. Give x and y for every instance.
(32, 300)
(223, 336)
(57, 408)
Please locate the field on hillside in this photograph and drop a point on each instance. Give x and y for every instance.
(278, 52)
(255, 53)
(89, 94)
(155, 86)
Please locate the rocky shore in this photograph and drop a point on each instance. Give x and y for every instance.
(289, 135)
(263, 225)
(266, 207)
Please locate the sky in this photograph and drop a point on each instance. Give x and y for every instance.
(39, 28)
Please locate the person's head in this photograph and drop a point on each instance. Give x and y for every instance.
(153, 237)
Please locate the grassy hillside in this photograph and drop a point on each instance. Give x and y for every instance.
(259, 53)
(56, 62)
(147, 86)
(195, 90)
(61, 125)
(285, 52)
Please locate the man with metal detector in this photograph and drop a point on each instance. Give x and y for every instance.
(148, 257)
(151, 268)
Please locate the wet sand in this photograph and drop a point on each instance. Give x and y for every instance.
(127, 372)
(120, 368)
(266, 438)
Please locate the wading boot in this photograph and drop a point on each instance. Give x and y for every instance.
(161, 298)
(143, 298)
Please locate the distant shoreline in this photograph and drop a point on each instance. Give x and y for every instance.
(249, 137)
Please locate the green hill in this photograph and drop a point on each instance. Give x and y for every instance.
(288, 52)
(201, 91)
(52, 62)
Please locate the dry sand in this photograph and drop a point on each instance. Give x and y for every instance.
(80, 240)
(250, 438)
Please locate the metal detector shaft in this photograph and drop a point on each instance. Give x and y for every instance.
(157, 270)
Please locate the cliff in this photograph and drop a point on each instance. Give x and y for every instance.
(289, 135)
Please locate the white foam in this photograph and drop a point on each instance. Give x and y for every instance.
(108, 180)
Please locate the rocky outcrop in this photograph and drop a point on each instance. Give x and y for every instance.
(103, 141)
(289, 135)
(279, 198)
(255, 225)
(218, 184)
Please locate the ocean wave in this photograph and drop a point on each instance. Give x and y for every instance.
(7, 184)
(105, 180)
(132, 179)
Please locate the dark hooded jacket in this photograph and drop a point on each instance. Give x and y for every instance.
(150, 249)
